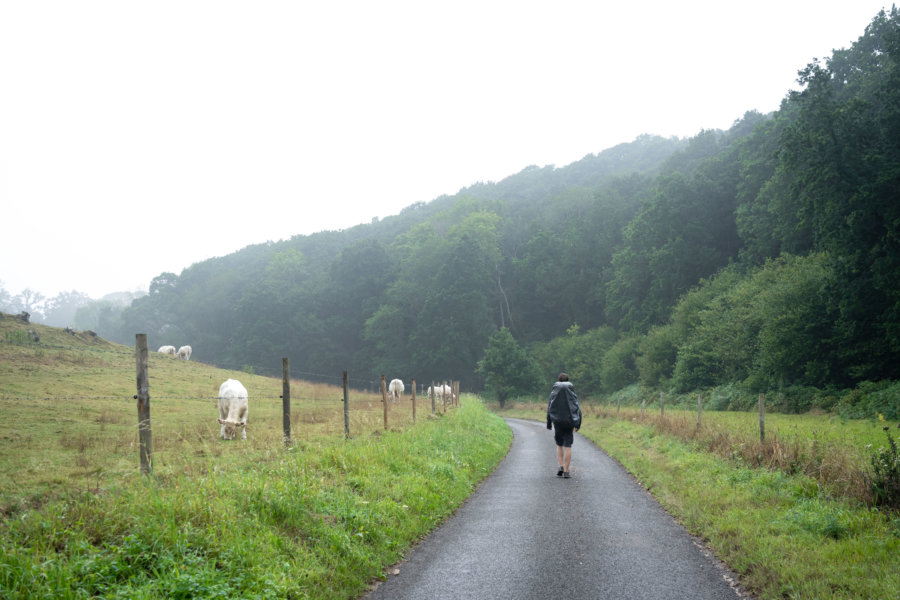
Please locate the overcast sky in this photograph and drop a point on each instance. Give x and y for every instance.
(142, 137)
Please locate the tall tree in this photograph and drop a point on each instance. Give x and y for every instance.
(457, 315)
(60, 310)
(507, 369)
(844, 156)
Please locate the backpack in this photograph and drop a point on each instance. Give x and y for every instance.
(563, 409)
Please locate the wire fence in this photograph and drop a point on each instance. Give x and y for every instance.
(60, 438)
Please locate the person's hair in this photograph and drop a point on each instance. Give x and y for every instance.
(563, 377)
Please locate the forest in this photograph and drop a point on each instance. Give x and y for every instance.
(763, 258)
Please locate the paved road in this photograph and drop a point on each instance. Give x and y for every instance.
(527, 534)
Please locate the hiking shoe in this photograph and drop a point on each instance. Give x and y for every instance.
(560, 472)
(566, 475)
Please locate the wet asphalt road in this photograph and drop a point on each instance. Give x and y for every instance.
(528, 534)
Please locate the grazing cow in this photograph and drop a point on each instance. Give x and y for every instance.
(232, 409)
(448, 393)
(395, 389)
(167, 350)
(441, 392)
(184, 353)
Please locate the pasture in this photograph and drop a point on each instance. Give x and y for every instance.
(251, 518)
(68, 402)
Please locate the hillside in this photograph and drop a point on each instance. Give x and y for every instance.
(762, 257)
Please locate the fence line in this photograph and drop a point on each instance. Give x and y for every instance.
(761, 409)
(131, 397)
(143, 399)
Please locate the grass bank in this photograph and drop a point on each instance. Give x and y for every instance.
(784, 533)
(320, 520)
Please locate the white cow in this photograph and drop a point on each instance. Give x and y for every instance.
(395, 389)
(441, 392)
(167, 350)
(232, 409)
(184, 353)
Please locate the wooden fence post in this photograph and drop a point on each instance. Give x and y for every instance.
(662, 405)
(432, 396)
(286, 399)
(699, 407)
(456, 393)
(384, 402)
(762, 418)
(618, 403)
(143, 402)
(413, 383)
(346, 406)
(444, 387)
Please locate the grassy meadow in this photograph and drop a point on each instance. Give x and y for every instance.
(70, 400)
(792, 516)
(322, 518)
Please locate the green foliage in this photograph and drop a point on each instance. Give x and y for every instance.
(869, 399)
(771, 328)
(578, 354)
(656, 354)
(886, 474)
(618, 368)
(507, 368)
(686, 232)
(798, 399)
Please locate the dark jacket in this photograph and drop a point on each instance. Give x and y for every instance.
(563, 409)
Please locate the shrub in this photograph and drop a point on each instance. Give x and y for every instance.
(886, 474)
(729, 397)
(617, 367)
(656, 356)
(871, 399)
(795, 399)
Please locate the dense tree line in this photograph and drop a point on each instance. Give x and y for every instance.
(765, 255)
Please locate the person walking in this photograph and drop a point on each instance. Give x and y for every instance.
(564, 417)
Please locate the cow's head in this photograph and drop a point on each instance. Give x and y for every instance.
(230, 428)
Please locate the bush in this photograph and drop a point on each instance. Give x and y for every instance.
(871, 399)
(617, 367)
(730, 397)
(657, 352)
(886, 474)
(795, 399)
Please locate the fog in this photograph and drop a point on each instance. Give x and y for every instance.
(137, 139)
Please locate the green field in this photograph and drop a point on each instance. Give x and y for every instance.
(322, 518)
(70, 400)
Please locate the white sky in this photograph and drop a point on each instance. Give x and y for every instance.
(142, 137)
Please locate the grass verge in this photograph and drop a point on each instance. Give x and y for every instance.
(783, 533)
(321, 520)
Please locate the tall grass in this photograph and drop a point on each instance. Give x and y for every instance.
(321, 519)
(833, 452)
(70, 426)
